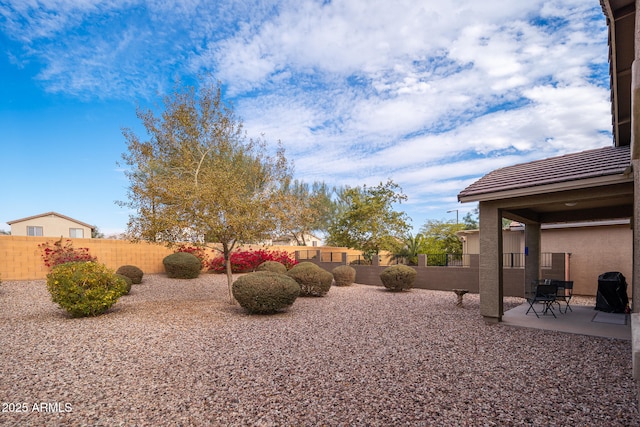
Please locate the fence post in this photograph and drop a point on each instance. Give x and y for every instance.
(422, 260)
(375, 260)
(344, 258)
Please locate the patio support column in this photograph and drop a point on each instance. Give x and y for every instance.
(635, 223)
(635, 162)
(635, 220)
(532, 243)
(490, 275)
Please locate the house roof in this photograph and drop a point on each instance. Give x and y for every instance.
(570, 168)
(50, 214)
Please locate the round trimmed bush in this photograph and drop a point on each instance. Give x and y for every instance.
(313, 280)
(273, 266)
(182, 265)
(398, 277)
(128, 280)
(344, 275)
(265, 292)
(306, 264)
(84, 288)
(132, 272)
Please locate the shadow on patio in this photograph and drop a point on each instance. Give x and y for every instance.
(584, 320)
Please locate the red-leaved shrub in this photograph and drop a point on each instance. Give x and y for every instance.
(244, 261)
(197, 251)
(61, 252)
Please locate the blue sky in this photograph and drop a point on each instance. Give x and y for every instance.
(357, 91)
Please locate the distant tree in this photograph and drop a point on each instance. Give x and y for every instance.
(440, 237)
(5, 233)
(304, 209)
(470, 220)
(409, 249)
(366, 219)
(323, 202)
(198, 177)
(96, 233)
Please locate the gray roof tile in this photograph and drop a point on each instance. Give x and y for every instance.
(570, 167)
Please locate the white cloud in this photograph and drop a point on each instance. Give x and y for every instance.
(357, 90)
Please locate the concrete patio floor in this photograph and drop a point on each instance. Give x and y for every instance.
(584, 320)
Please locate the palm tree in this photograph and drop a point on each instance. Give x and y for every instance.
(411, 247)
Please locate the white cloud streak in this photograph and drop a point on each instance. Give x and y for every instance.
(358, 91)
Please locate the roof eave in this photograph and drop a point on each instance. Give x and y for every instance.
(92, 227)
(544, 189)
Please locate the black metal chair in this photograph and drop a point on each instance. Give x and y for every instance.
(564, 293)
(545, 293)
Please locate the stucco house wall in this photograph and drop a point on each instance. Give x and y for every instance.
(594, 249)
(53, 225)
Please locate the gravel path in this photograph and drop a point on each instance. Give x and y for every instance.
(175, 352)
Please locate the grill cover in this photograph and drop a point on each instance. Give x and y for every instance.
(612, 293)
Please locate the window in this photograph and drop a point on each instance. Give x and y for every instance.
(77, 233)
(33, 230)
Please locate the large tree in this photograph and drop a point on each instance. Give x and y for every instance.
(367, 220)
(305, 209)
(198, 177)
(441, 238)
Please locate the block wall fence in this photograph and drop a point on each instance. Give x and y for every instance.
(449, 278)
(21, 258)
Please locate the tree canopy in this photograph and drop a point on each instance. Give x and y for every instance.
(198, 177)
(305, 209)
(440, 237)
(366, 220)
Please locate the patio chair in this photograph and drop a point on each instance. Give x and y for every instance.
(545, 293)
(564, 293)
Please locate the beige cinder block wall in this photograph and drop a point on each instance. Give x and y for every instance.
(594, 250)
(21, 257)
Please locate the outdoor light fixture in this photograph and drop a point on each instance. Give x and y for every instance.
(570, 204)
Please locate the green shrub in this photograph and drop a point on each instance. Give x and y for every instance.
(182, 265)
(398, 277)
(127, 280)
(265, 292)
(273, 266)
(132, 272)
(344, 275)
(84, 288)
(313, 280)
(306, 264)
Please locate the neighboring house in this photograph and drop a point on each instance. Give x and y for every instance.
(51, 224)
(591, 248)
(289, 240)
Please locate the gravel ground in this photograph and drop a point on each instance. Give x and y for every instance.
(175, 352)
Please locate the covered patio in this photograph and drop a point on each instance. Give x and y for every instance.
(586, 186)
(582, 320)
(590, 185)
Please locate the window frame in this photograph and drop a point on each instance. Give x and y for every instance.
(35, 229)
(71, 229)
